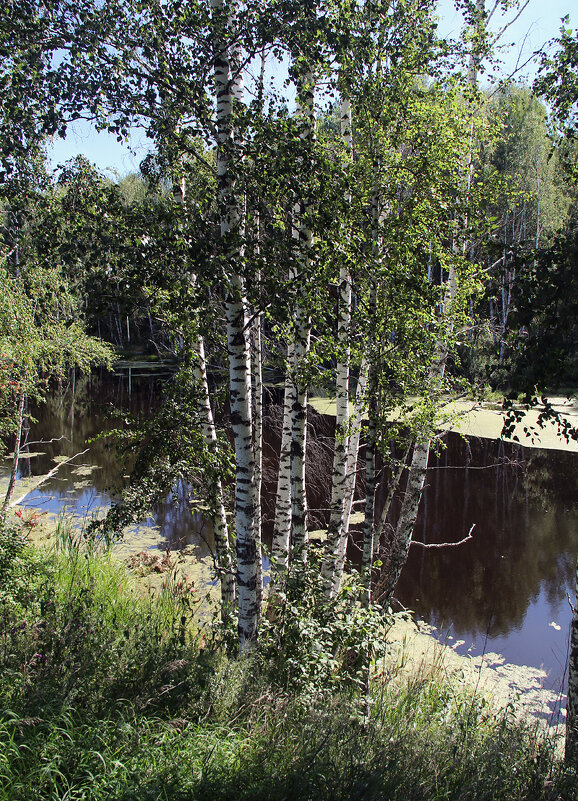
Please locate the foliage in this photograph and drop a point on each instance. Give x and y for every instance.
(21, 574)
(544, 334)
(104, 696)
(309, 646)
(164, 452)
(557, 80)
(523, 186)
(42, 335)
(89, 642)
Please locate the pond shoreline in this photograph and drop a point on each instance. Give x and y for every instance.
(415, 650)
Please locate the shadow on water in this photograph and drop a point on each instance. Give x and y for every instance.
(505, 590)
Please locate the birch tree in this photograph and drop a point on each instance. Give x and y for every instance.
(398, 548)
(366, 215)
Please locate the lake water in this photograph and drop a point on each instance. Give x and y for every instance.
(506, 590)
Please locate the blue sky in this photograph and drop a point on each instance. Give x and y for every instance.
(538, 23)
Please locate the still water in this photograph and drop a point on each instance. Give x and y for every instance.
(505, 590)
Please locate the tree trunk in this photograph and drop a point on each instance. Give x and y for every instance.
(302, 328)
(15, 458)
(282, 527)
(224, 562)
(399, 550)
(342, 433)
(334, 560)
(299, 532)
(245, 500)
(257, 364)
(229, 85)
(370, 459)
(219, 519)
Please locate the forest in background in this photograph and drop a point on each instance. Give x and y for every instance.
(396, 237)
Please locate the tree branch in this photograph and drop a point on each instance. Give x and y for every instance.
(445, 544)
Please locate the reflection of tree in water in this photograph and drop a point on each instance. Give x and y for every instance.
(522, 502)
(552, 480)
(181, 523)
(77, 413)
(522, 542)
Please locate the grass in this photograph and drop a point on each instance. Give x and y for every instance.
(105, 694)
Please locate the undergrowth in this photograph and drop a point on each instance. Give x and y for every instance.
(106, 694)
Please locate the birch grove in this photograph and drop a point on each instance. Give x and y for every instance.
(328, 241)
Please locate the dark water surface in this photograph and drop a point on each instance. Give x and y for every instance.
(505, 590)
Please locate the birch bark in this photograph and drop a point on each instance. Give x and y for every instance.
(257, 366)
(334, 561)
(302, 328)
(224, 562)
(229, 86)
(220, 526)
(370, 459)
(342, 433)
(282, 527)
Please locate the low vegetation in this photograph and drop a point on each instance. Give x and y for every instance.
(107, 693)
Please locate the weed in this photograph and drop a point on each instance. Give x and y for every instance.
(105, 694)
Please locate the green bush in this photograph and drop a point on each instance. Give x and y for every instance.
(308, 645)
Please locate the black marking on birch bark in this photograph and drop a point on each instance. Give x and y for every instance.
(297, 450)
(249, 584)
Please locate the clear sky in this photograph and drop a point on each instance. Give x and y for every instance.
(538, 23)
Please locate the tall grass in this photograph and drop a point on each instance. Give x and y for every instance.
(106, 694)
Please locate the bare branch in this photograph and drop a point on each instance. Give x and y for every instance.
(445, 544)
(491, 13)
(508, 24)
(43, 442)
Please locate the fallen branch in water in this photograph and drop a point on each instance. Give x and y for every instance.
(445, 544)
(45, 478)
(45, 441)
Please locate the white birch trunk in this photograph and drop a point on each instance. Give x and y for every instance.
(224, 562)
(390, 493)
(370, 458)
(342, 433)
(302, 327)
(282, 527)
(334, 560)
(245, 500)
(219, 520)
(418, 466)
(299, 438)
(257, 364)
(338, 555)
(369, 521)
(397, 556)
(237, 337)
